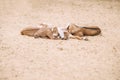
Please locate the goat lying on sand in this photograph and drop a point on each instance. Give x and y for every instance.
(83, 31)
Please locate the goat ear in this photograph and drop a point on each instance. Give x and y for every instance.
(68, 27)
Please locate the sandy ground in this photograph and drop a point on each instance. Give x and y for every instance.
(26, 58)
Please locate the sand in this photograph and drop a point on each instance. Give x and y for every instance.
(26, 58)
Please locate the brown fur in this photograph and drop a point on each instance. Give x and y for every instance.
(83, 31)
(29, 31)
(67, 35)
(44, 32)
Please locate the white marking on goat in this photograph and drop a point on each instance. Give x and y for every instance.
(61, 33)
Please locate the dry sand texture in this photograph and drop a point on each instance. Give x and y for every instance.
(26, 58)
